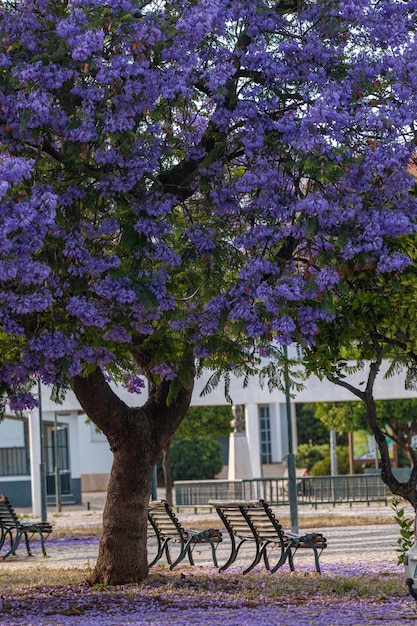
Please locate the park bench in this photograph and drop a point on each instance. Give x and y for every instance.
(254, 521)
(169, 531)
(11, 527)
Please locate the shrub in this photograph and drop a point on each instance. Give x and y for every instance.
(323, 466)
(308, 455)
(406, 525)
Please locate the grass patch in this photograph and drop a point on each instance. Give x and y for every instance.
(83, 531)
(333, 520)
(23, 578)
(306, 520)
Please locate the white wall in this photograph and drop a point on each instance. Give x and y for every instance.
(95, 454)
(12, 433)
(315, 390)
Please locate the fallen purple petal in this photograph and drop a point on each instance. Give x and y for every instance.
(345, 595)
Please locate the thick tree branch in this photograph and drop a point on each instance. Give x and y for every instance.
(100, 402)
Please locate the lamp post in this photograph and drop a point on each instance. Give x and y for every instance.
(57, 468)
(292, 479)
(41, 458)
(333, 453)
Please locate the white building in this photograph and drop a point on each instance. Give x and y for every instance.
(84, 457)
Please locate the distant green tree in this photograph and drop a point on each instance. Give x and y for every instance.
(201, 423)
(310, 429)
(195, 459)
(206, 421)
(397, 419)
(341, 416)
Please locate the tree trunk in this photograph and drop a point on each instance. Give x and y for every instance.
(406, 490)
(122, 551)
(136, 436)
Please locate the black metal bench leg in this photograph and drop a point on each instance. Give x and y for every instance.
(213, 552)
(167, 552)
(291, 558)
(7, 532)
(190, 553)
(316, 556)
(233, 555)
(14, 546)
(43, 545)
(260, 552)
(316, 559)
(161, 547)
(284, 555)
(182, 554)
(192, 545)
(27, 543)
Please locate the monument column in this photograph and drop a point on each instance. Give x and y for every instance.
(239, 458)
(252, 433)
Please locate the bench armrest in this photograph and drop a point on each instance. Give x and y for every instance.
(310, 538)
(203, 535)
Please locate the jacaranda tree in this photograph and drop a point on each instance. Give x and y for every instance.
(177, 180)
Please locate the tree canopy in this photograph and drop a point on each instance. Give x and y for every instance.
(183, 178)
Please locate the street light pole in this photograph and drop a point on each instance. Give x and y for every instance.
(57, 468)
(292, 479)
(41, 458)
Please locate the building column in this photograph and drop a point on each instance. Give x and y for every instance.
(282, 447)
(252, 434)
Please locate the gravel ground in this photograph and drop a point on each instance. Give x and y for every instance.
(375, 543)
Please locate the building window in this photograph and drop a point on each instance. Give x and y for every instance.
(265, 435)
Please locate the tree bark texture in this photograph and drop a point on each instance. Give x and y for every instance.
(136, 437)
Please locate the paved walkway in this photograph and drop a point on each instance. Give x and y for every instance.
(373, 543)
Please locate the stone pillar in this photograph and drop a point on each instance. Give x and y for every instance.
(252, 434)
(239, 458)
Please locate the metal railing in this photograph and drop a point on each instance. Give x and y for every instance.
(312, 490)
(196, 493)
(14, 462)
